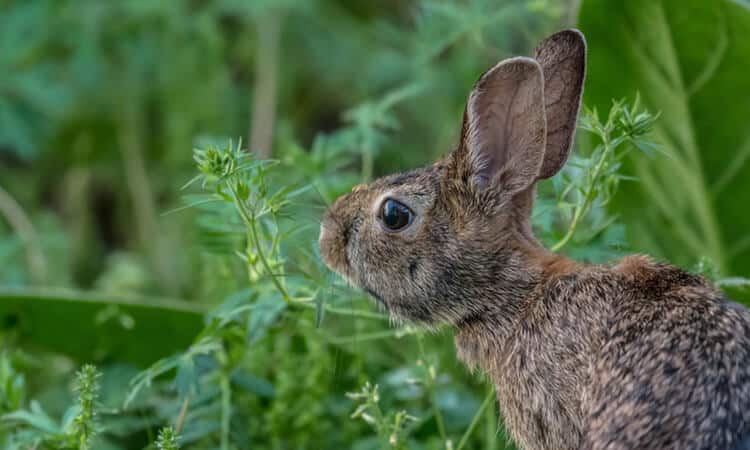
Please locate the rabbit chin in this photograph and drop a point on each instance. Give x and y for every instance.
(403, 310)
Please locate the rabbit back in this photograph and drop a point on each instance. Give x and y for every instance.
(674, 369)
(638, 355)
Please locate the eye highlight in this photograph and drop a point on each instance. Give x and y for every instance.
(395, 215)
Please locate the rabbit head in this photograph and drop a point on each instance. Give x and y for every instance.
(450, 241)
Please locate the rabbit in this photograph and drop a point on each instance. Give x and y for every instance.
(636, 354)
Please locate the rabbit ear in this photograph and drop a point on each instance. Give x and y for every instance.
(563, 60)
(503, 135)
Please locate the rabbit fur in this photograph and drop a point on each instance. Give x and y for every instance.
(633, 355)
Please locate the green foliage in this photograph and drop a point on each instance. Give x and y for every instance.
(83, 427)
(128, 329)
(12, 385)
(76, 430)
(389, 427)
(258, 201)
(167, 439)
(100, 103)
(588, 183)
(687, 59)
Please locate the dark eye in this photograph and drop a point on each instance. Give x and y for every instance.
(395, 215)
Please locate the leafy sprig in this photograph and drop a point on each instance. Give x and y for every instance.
(589, 182)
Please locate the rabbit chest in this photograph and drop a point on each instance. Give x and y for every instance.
(541, 369)
(540, 400)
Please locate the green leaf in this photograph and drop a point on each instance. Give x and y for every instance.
(253, 384)
(88, 327)
(265, 313)
(36, 418)
(186, 380)
(687, 59)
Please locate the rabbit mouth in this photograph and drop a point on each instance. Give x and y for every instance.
(375, 295)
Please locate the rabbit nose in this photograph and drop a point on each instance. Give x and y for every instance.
(332, 242)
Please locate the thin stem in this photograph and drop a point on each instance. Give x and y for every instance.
(367, 164)
(381, 423)
(265, 89)
(284, 294)
(430, 385)
(226, 409)
(490, 425)
(250, 221)
(142, 195)
(588, 198)
(342, 311)
(438, 416)
(182, 416)
(21, 224)
(398, 333)
(571, 231)
(475, 421)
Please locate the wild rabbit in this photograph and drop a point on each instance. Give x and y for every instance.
(637, 355)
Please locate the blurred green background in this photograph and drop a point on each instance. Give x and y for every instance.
(102, 103)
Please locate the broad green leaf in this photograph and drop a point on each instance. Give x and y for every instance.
(90, 327)
(688, 59)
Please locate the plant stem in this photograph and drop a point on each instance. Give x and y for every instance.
(341, 340)
(249, 221)
(21, 224)
(430, 385)
(438, 417)
(382, 425)
(183, 414)
(342, 311)
(582, 209)
(284, 294)
(226, 409)
(475, 421)
(490, 425)
(367, 164)
(141, 194)
(268, 27)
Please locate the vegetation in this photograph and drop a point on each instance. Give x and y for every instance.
(191, 281)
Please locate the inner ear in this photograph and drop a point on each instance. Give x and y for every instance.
(504, 132)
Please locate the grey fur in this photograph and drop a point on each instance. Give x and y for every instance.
(634, 355)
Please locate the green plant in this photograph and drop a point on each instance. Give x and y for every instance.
(685, 58)
(590, 182)
(220, 313)
(389, 427)
(12, 385)
(167, 439)
(78, 427)
(84, 426)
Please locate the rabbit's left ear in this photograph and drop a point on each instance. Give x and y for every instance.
(502, 139)
(563, 60)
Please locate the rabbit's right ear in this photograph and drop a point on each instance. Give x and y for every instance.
(503, 135)
(563, 60)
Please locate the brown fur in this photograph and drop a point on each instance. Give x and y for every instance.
(636, 355)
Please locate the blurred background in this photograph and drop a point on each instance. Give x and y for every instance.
(107, 258)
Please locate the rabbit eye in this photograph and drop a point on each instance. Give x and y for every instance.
(395, 215)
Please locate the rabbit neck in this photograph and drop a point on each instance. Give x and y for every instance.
(526, 272)
(536, 356)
